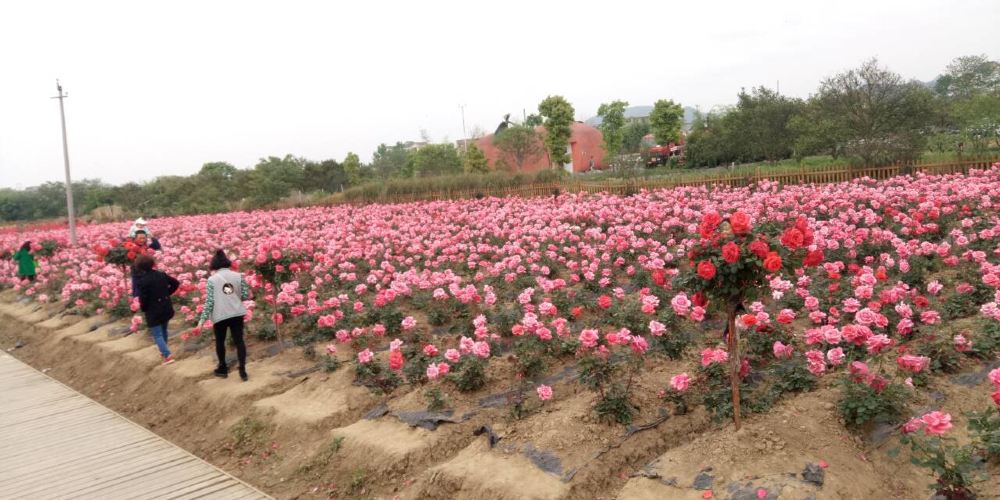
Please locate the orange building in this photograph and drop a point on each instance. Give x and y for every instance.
(585, 144)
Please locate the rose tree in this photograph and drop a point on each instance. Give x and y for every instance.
(730, 261)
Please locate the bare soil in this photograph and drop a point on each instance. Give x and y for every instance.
(296, 431)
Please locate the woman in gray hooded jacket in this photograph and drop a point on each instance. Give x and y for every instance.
(224, 295)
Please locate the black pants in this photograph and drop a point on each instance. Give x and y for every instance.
(235, 325)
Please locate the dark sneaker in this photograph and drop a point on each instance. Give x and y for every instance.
(243, 375)
(221, 372)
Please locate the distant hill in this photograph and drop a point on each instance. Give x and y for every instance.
(642, 112)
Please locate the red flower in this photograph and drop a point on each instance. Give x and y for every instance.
(881, 273)
(659, 277)
(577, 311)
(709, 223)
(793, 239)
(803, 226)
(699, 300)
(711, 219)
(744, 368)
(813, 258)
(749, 320)
(395, 360)
(604, 301)
(731, 252)
(740, 222)
(706, 269)
(759, 248)
(773, 262)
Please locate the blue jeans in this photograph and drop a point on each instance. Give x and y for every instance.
(160, 337)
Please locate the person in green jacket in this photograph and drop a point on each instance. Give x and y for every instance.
(25, 262)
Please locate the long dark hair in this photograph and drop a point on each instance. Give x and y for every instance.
(26, 246)
(220, 261)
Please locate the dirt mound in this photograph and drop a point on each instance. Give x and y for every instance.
(480, 472)
(318, 398)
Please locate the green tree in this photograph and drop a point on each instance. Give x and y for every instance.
(274, 178)
(437, 159)
(327, 176)
(612, 126)
(969, 76)
(519, 145)
(533, 120)
(879, 117)
(391, 161)
(666, 120)
(709, 143)
(558, 114)
(474, 161)
(352, 169)
(217, 170)
(632, 134)
(760, 128)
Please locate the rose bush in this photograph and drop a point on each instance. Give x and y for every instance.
(815, 278)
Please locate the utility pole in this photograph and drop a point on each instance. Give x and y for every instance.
(465, 137)
(69, 183)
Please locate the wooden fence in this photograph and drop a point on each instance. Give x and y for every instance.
(805, 175)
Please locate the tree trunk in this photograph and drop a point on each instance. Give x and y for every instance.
(274, 319)
(733, 344)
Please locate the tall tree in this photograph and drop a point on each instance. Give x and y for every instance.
(273, 178)
(327, 176)
(967, 76)
(533, 120)
(391, 161)
(559, 115)
(632, 134)
(352, 169)
(612, 126)
(666, 121)
(881, 116)
(519, 144)
(437, 159)
(474, 161)
(761, 124)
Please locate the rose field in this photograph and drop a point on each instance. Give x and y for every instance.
(772, 341)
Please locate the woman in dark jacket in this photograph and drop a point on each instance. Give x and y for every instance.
(154, 290)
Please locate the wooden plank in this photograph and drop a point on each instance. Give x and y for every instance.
(61, 444)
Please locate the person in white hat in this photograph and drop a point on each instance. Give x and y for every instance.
(139, 225)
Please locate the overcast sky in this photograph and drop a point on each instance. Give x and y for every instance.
(161, 88)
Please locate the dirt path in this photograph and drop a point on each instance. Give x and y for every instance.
(298, 432)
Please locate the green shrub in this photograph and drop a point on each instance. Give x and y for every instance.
(860, 404)
(469, 375)
(436, 400)
(615, 406)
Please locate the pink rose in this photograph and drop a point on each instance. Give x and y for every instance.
(782, 351)
(680, 382)
(835, 356)
(544, 392)
(936, 423)
(365, 356)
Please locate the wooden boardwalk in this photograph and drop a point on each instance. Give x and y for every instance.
(57, 443)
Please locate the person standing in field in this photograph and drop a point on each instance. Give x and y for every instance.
(154, 289)
(139, 225)
(143, 245)
(25, 262)
(224, 295)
